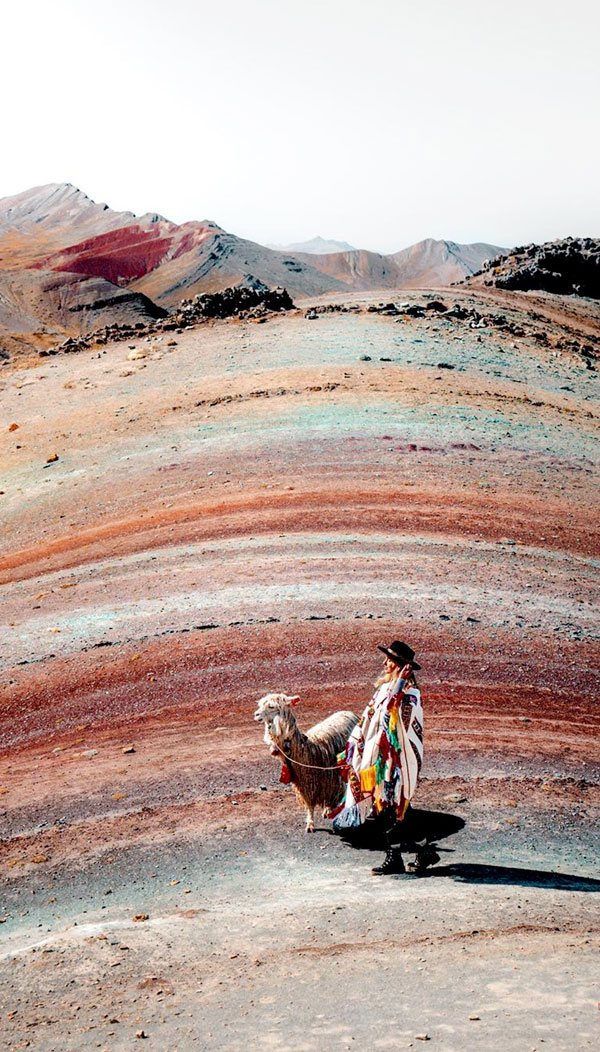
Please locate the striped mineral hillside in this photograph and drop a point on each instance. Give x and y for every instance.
(192, 520)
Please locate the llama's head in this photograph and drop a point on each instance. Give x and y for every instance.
(275, 711)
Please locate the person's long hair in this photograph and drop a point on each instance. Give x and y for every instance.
(394, 674)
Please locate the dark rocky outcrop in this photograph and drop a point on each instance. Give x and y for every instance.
(567, 267)
(255, 299)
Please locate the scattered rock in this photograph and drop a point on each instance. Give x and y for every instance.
(13, 427)
(52, 458)
(341, 308)
(457, 311)
(139, 917)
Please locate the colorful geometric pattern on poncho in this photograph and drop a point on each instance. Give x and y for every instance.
(383, 757)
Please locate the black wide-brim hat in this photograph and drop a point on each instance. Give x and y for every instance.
(400, 653)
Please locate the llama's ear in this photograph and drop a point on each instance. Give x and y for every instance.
(294, 700)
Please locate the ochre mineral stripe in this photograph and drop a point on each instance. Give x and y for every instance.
(404, 510)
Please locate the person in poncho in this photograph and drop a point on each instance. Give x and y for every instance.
(383, 759)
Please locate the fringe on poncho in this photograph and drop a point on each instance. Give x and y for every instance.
(383, 756)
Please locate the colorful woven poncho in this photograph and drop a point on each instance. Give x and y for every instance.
(383, 756)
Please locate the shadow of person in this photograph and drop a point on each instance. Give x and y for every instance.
(474, 873)
(418, 825)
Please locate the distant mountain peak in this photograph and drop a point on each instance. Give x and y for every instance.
(317, 246)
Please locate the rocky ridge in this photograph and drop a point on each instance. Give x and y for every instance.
(70, 267)
(257, 303)
(568, 267)
(252, 302)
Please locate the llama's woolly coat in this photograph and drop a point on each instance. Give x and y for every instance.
(318, 748)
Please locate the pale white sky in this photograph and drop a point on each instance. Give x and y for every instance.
(379, 122)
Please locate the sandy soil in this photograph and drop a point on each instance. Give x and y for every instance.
(253, 509)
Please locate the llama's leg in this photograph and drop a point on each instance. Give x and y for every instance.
(310, 819)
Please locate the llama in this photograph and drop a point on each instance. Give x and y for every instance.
(317, 748)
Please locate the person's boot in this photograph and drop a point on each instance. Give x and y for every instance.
(392, 863)
(426, 857)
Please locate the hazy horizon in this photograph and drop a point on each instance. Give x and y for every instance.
(379, 126)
